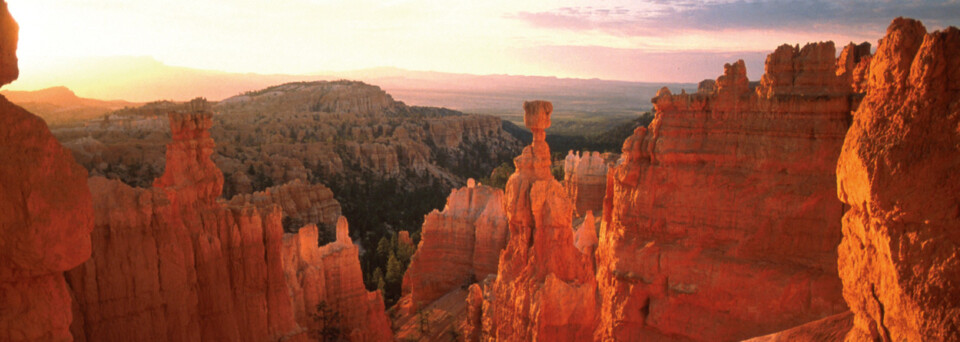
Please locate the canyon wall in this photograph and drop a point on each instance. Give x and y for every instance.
(46, 215)
(585, 179)
(173, 263)
(900, 254)
(730, 190)
(544, 288)
(458, 245)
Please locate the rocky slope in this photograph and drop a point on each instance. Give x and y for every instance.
(46, 215)
(345, 128)
(900, 254)
(832, 328)
(342, 132)
(544, 288)
(173, 263)
(731, 189)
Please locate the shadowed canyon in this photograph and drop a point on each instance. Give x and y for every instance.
(818, 203)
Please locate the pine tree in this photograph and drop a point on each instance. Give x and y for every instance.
(405, 252)
(378, 279)
(383, 248)
(394, 270)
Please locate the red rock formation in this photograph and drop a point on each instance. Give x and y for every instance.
(544, 289)
(729, 191)
(900, 254)
(449, 132)
(586, 237)
(832, 328)
(331, 274)
(173, 263)
(439, 321)
(46, 215)
(9, 35)
(585, 179)
(852, 65)
(301, 202)
(459, 245)
(374, 156)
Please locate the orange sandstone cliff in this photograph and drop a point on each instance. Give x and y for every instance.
(46, 215)
(720, 221)
(173, 263)
(898, 172)
(459, 245)
(331, 275)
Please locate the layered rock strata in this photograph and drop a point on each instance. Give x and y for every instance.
(46, 215)
(730, 190)
(173, 263)
(585, 179)
(900, 254)
(458, 245)
(544, 288)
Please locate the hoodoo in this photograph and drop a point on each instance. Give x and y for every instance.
(174, 263)
(544, 289)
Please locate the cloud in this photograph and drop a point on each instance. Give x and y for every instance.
(659, 17)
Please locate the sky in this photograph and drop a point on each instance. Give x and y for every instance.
(638, 40)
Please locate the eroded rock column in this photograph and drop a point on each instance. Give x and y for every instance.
(544, 289)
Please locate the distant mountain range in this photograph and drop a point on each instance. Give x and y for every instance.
(59, 105)
(143, 79)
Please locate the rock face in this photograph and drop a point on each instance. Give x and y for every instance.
(585, 179)
(173, 263)
(331, 275)
(586, 237)
(832, 328)
(730, 190)
(302, 203)
(46, 215)
(9, 35)
(544, 289)
(900, 254)
(459, 245)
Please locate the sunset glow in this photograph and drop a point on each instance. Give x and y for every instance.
(683, 41)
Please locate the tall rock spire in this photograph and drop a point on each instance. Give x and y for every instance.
(540, 267)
